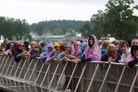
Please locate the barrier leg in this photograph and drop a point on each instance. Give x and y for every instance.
(132, 85)
(71, 77)
(80, 77)
(116, 89)
(101, 87)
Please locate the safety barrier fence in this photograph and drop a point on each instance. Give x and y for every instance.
(35, 76)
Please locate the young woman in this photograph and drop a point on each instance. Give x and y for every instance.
(48, 53)
(131, 60)
(58, 51)
(92, 51)
(71, 54)
(111, 55)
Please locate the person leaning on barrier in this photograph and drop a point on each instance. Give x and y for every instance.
(92, 51)
(6, 44)
(132, 60)
(33, 44)
(26, 45)
(23, 54)
(124, 47)
(36, 53)
(9, 51)
(111, 55)
(76, 52)
(58, 50)
(48, 53)
(66, 55)
(18, 51)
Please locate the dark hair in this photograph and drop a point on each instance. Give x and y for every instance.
(124, 43)
(133, 47)
(92, 39)
(42, 44)
(62, 47)
(39, 48)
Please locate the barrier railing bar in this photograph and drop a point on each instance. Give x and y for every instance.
(132, 85)
(1, 66)
(42, 90)
(33, 71)
(39, 74)
(24, 86)
(93, 76)
(18, 68)
(7, 70)
(80, 77)
(45, 75)
(61, 74)
(120, 78)
(28, 69)
(36, 89)
(18, 85)
(71, 77)
(113, 63)
(53, 76)
(4, 65)
(12, 69)
(8, 67)
(103, 82)
(22, 68)
(29, 89)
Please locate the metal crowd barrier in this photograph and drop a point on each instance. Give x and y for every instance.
(35, 76)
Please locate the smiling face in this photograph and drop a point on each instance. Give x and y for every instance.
(75, 45)
(57, 48)
(124, 48)
(112, 52)
(67, 48)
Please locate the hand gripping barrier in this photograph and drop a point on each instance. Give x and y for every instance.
(35, 76)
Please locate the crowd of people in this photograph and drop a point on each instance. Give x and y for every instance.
(90, 49)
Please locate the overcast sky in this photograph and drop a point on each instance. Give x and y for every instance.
(38, 10)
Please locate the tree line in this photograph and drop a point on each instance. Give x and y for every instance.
(117, 20)
(10, 27)
(56, 27)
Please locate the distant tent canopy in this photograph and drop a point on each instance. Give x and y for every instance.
(56, 37)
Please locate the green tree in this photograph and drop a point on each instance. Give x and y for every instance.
(86, 29)
(58, 31)
(39, 29)
(119, 20)
(49, 26)
(10, 27)
(96, 21)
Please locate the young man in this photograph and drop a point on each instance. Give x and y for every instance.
(124, 47)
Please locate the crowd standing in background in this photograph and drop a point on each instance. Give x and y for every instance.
(86, 50)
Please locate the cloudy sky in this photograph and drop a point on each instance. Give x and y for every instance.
(38, 10)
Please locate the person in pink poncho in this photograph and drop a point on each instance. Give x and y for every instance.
(92, 51)
(132, 59)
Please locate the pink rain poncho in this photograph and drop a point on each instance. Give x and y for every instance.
(93, 52)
